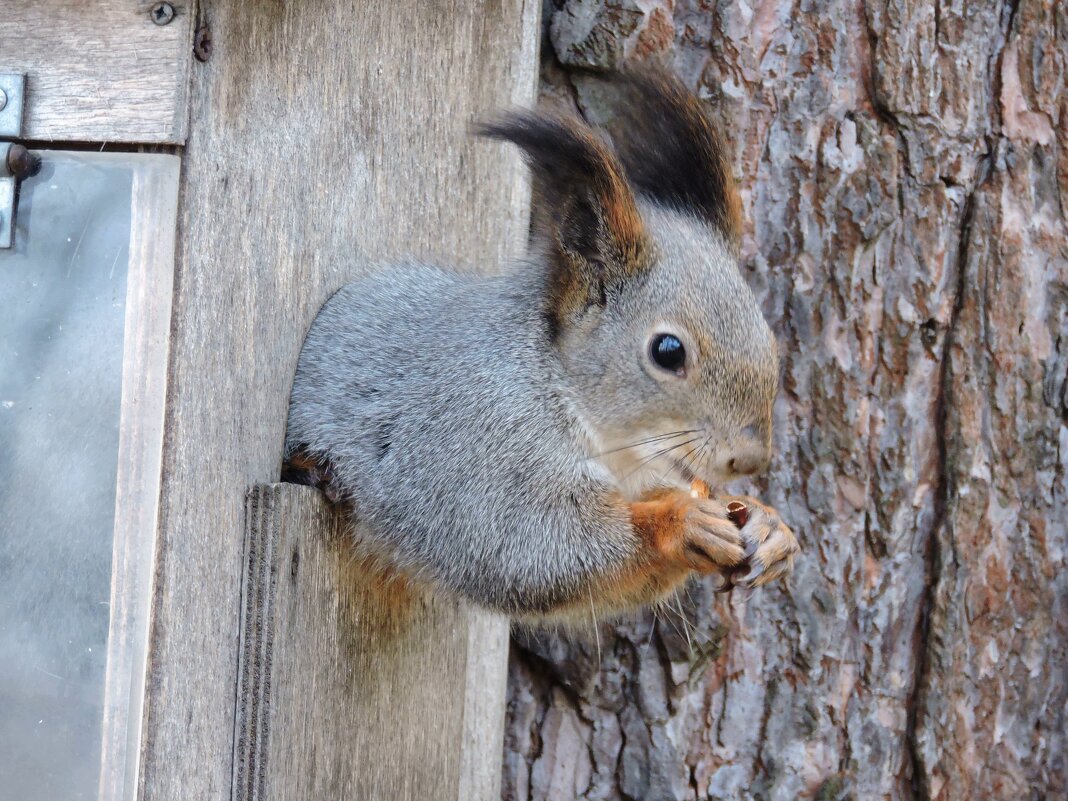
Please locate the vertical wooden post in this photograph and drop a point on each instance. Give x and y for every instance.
(351, 691)
(320, 137)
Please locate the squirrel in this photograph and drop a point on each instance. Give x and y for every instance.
(537, 441)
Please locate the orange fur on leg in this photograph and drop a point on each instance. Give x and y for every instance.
(680, 534)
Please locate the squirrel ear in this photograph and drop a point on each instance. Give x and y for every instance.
(672, 152)
(583, 205)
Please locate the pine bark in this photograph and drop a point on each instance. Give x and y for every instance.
(904, 171)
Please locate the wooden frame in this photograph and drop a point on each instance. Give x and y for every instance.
(149, 288)
(99, 71)
(129, 206)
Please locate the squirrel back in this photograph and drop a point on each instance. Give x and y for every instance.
(529, 440)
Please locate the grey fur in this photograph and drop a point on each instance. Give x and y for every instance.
(469, 437)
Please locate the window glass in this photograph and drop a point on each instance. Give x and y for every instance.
(63, 298)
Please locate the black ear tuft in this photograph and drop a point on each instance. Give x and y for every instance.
(672, 152)
(571, 164)
(561, 151)
(583, 206)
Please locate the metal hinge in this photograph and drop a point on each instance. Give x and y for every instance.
(16, 162)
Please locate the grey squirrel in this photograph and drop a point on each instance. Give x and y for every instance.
(538, 441)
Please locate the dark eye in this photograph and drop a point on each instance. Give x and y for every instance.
(666, 351)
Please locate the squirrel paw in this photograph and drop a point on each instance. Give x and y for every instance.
(688, 533)
(770, 545)
(303, 467)
(709, 542)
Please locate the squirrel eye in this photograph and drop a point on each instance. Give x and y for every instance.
(667, 352)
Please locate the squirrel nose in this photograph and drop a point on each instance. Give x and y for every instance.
(746, 465)
(754, 454)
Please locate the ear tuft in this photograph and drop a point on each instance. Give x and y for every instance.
(568, 159)
(672, 152)
(583, 205)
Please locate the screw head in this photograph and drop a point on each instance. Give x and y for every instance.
(161, 13)
(21, 163)
(3, 99)
(202, 43)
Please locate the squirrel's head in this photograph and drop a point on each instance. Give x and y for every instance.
(667, 357)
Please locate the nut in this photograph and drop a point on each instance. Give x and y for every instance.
(738, 512)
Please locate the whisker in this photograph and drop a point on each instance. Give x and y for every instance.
(657, 438)
(652, 630)
(685, 623)
(658, 454)
(700, 457)
(662, 475)
(668, 615)
(688, 461)
(696, 458)
(691, 459)
(596, 627)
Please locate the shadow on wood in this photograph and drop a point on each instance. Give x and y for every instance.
(349, 689)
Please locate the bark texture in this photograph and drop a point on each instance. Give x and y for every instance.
(904, 170)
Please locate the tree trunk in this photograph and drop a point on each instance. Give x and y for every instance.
(904, 170)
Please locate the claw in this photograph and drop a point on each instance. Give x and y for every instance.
(753, 575)
(725, 584)
(776, 572)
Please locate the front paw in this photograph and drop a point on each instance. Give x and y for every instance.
(770, 545)
(709, 541)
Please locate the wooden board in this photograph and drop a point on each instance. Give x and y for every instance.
(341, 700)
(99, 71)
(320, 136)
(149, 290)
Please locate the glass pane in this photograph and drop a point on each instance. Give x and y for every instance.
(63, 291)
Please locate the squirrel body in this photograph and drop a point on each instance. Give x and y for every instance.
(516, 439)
(490, 461)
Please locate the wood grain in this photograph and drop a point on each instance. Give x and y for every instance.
(319, 138)
(99, 71)
(149, 285)
(355, 690)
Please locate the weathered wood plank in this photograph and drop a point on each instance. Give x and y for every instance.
(100, 71)
(344, 699)
(319, 138)
(149, 291)
(485, 693)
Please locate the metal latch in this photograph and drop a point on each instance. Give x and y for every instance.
(16, 162)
